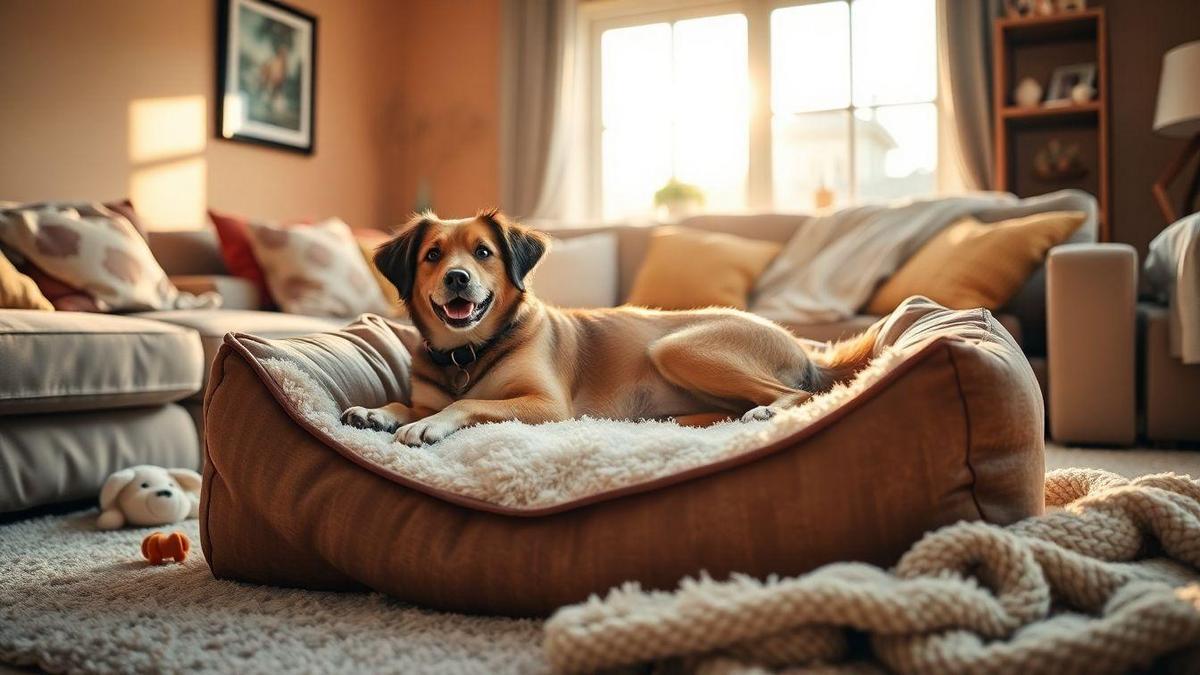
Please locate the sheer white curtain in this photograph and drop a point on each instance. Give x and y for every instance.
(965, 76)
(543, 111)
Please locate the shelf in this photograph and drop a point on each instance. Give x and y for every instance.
(1065, 26)
(1042, 115)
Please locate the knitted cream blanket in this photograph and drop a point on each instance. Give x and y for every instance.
(1108, 583)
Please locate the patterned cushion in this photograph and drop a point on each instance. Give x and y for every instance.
(96, 250)
(316, 269)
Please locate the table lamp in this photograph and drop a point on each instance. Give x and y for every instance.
(1178, 116)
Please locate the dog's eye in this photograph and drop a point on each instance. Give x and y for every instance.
(433, 255)
(145, 485)
(482, 252)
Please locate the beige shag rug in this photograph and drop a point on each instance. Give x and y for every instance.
(73, 599)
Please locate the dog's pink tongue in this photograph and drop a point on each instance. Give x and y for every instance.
(458, 309)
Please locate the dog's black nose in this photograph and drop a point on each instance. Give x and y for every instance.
(163, 493)
(457, 280)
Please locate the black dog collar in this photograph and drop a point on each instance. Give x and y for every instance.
(460, 357)
(463, 356)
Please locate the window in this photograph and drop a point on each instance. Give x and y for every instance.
(845, 91)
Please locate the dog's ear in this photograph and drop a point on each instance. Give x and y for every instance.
(397, 259)
(522, 246)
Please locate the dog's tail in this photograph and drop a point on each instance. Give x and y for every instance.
(841, 360)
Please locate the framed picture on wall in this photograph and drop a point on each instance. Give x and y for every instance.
(266, 74)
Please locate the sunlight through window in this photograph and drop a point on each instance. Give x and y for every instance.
(852, 112)
(675, 104)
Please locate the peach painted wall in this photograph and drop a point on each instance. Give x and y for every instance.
(114, 98)
(449, 107)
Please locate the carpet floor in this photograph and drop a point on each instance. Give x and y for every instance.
(73, 599)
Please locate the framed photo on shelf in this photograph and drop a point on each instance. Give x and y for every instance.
(1066, 78)
(266, 74)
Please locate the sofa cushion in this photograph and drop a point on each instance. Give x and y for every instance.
(58, 361)
(212, 325)
(59, 457)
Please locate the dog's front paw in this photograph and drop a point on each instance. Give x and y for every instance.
(377, 419)
(425, 432)
(762, 412)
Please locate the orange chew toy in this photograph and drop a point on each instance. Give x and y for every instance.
(159, 548)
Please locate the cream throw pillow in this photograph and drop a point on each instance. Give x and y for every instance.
(316, 269)
(578, 272)
(689, 269)
(972, 264)
(96, 250)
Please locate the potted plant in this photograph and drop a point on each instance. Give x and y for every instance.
(679, 199)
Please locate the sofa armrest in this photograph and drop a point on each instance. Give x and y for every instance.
(1091, 293)
(235, 292)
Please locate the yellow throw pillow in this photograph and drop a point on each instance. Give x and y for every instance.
(18, 291)
(689, 269)
(972, 264)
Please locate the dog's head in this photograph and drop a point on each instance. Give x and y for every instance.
(461, 279)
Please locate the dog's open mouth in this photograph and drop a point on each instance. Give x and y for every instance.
(460, 312)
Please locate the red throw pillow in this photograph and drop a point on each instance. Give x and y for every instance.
(233, 233)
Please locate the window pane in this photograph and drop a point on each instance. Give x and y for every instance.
(810, 57)
(636, 162)
(895, 51)
(895, 150)
(712, 95)
(635, 80)
(811, 156)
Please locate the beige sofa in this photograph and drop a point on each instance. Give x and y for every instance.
(89, 394)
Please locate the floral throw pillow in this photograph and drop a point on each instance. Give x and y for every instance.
(96, 250)
(316, 269)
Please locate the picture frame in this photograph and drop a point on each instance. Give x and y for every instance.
(1066, 78)
(266, 89)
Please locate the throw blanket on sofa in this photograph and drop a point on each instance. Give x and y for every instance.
(1173, 273)
(1070, 591)
(833, 263)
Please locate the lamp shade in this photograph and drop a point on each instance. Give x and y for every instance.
(1178, 112)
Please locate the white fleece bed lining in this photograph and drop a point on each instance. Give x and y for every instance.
(527, 466)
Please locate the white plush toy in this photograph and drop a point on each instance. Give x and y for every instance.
(148, 495)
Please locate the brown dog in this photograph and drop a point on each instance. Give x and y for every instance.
(493, 352)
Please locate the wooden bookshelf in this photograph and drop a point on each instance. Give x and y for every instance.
(1034, 47)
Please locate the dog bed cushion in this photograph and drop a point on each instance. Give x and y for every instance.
(509, 518)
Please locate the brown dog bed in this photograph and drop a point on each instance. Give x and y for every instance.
(515, 519)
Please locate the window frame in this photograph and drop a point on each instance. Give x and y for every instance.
(597, 17)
